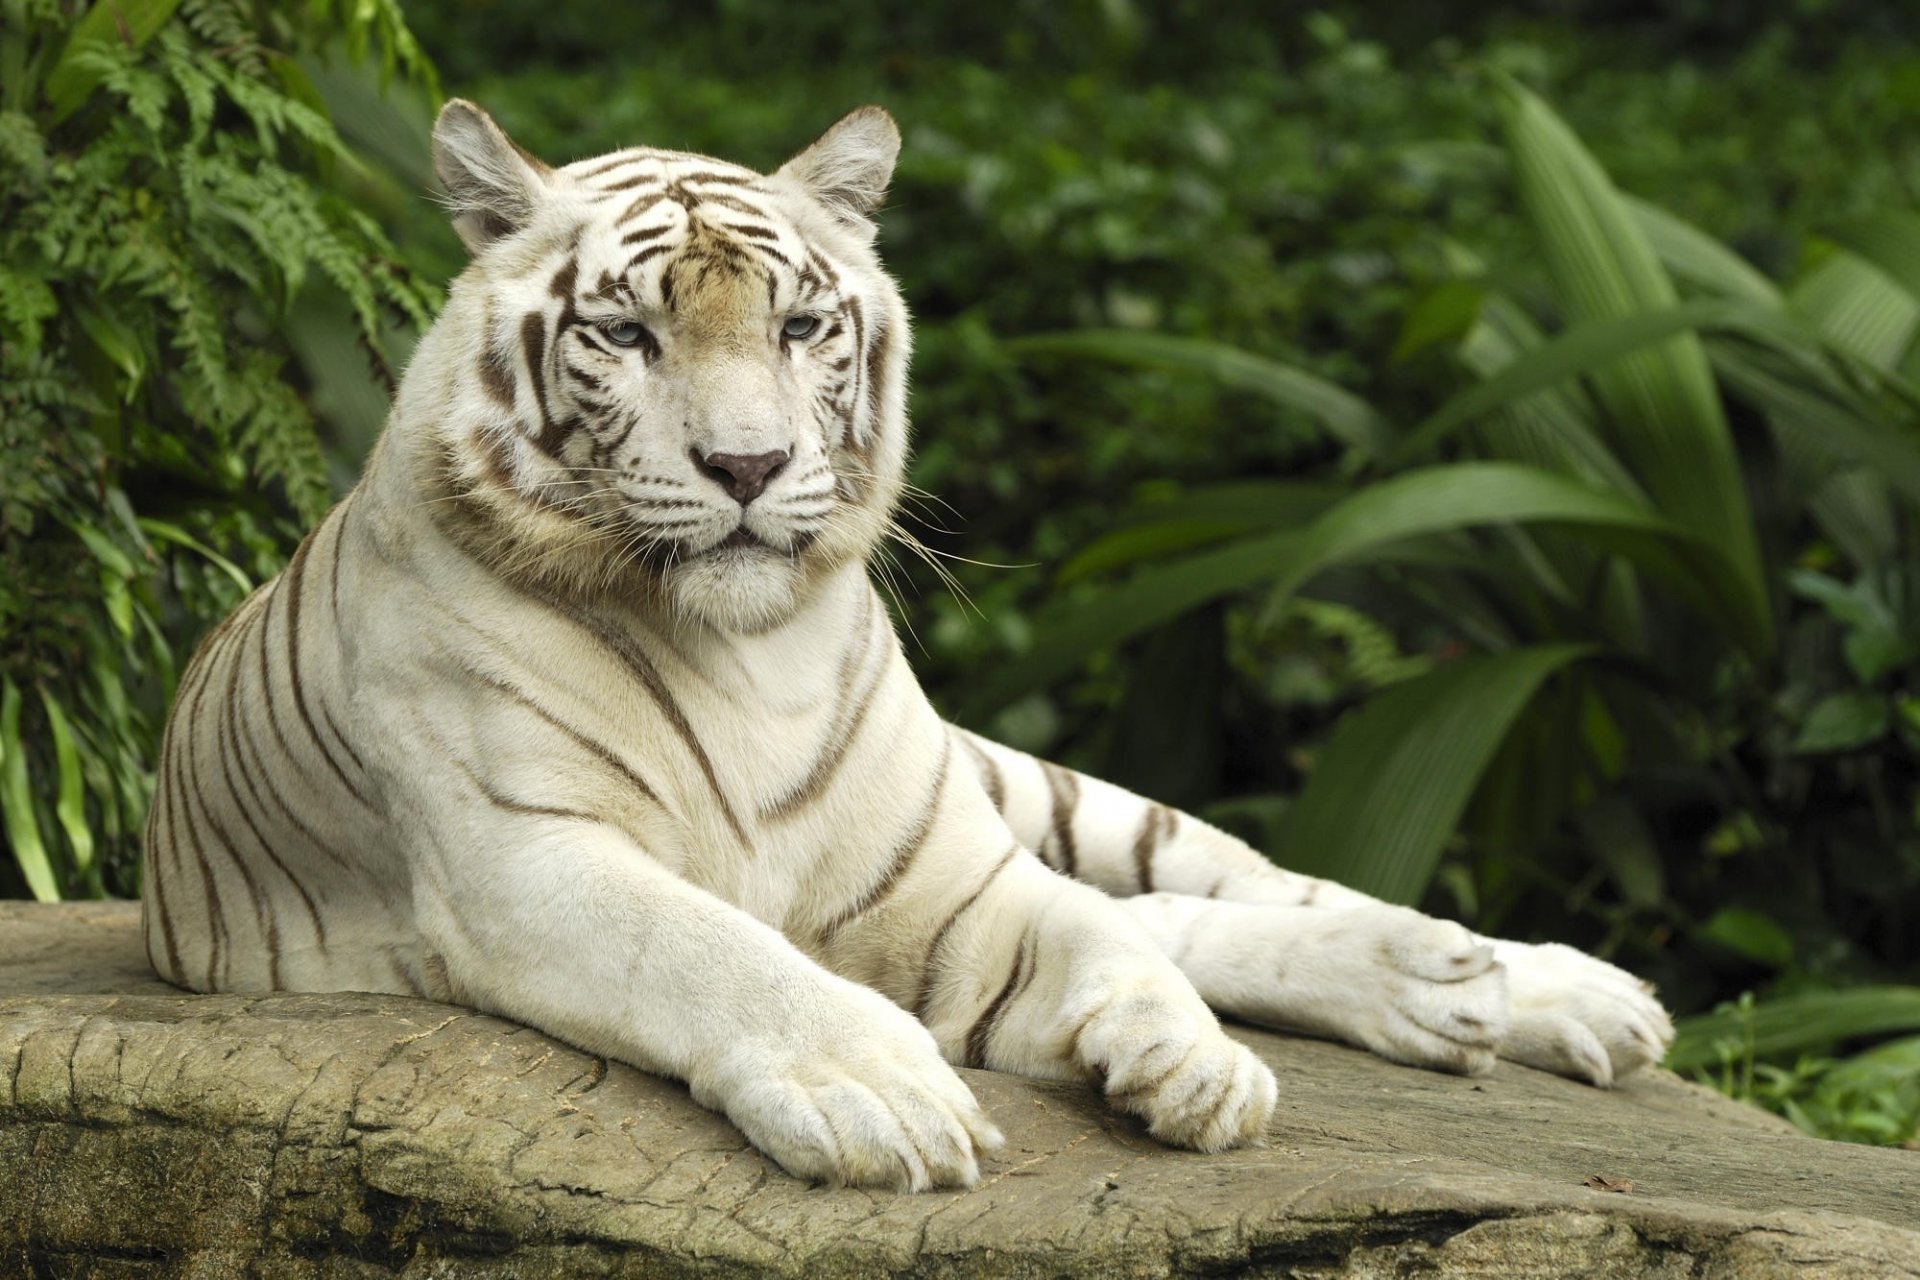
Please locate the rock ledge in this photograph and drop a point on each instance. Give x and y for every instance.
(146, 1133)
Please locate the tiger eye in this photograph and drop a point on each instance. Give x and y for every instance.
(798, 327)
(622, 333)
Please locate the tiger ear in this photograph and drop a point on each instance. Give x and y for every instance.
(847, 168)
(493, 187)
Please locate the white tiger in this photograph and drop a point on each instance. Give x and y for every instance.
(581, 709)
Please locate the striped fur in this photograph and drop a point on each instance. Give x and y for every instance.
(555, 718)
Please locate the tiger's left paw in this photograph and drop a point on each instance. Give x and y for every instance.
(1577, 1016)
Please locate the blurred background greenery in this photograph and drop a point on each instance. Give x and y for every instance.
(1476, 457)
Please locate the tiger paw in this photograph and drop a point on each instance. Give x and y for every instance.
(1410, 988)
(1164, 1058)
(1578, 1016)
(869, 1103)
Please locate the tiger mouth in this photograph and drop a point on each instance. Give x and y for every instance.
(742, 537)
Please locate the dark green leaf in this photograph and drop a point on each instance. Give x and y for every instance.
(1390, 788)
(1843, 722)
(1752, 934)
(1794, 1024)
(1345, 416)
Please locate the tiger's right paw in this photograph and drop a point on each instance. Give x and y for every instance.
(1166, 1060)
(868, 1102)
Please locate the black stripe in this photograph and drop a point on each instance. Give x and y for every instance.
(927, 969)
(903, 854)
(627, 184)
(839, 743)
(496, 374)
(858, 315)
(1154, 829)
(608, 164)
(296, 579)
(646, 233)
(877, 349)
(533, 344)
(501, 800)
(231, 761)
(709, 175)
(245, 738)
(216, 912)
(1026, 962)
(989, 770)
(186, 709)
(333, 576)
(597, 749)
(648, 254)
(191, 789)
(1065, 790)
(634, 658)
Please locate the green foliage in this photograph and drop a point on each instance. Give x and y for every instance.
(1872, 1096)
(1628, 534)
(1194, 284)
(170, 189)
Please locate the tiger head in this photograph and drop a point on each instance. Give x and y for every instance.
(667, 374)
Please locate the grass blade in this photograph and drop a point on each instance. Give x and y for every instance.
(1398, 772)
(1857, 307)
(70, 804)
(16, 802)
(1345, 416)
(1890, 241)
(1793, 1024)
(1373, 520)
(1205, 515)
(1662, 408)
(1695, 256)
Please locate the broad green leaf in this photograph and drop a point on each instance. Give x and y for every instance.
(1445, 315)
(1854, 305)
(1695, 256)
(1831, 429)
(1345, 416)
(1662, 408)
(17, 802)
(1155, 541)
(1552, 427)
(1890, 241)
(1617, 834)
(1843, 722)
(70, 807)
(132, 22)
(175, 534)
(119, 344)
(1794, 1024)
(1394, 779)
(112, 559)
(1203, 515)
(1584, 350)
(1752, 934)
(1435, 500)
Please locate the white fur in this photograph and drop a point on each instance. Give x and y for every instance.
(518, 730)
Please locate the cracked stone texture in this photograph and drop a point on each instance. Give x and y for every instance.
(144, 1132)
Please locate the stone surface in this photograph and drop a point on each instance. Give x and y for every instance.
(144, 1132)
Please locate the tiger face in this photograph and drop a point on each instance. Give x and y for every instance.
(678, 373)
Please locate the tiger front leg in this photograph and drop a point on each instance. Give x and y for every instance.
(1426, 992)
(570, 927)
(1031, 973)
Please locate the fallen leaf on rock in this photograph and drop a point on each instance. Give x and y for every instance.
(1601, 1182)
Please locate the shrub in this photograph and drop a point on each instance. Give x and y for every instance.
(170, 197)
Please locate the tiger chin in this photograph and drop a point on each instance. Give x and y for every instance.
(580, 709)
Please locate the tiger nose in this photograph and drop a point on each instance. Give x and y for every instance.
(743, 476)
